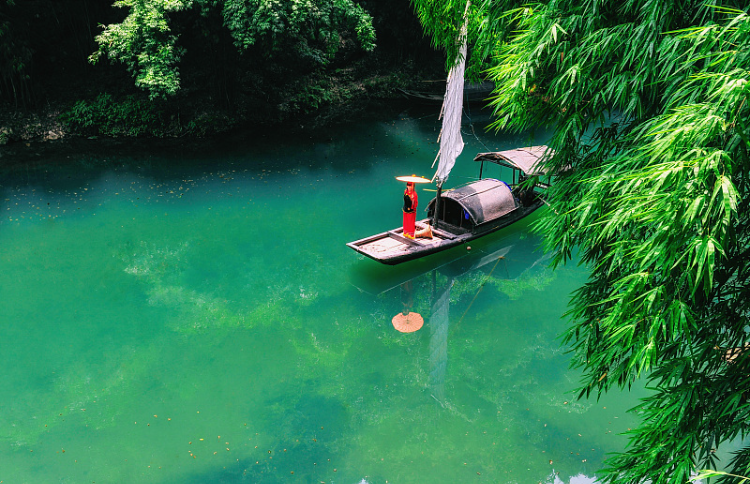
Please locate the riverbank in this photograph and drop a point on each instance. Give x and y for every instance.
(313, 101)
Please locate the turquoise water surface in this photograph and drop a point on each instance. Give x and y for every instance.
(188, 312)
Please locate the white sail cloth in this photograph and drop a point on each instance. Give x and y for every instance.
(451, 142)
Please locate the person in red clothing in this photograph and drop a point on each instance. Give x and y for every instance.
(411, 228)
(410, 209)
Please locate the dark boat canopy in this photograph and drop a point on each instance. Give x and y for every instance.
(483, 200)
(524, 159)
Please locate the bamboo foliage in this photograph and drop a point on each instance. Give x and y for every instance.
(648, 101)
(442, 20)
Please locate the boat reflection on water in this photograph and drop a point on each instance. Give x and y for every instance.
(425, 292)
(487, 363)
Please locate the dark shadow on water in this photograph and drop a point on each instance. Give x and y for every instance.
(72, 162)
(157, 157)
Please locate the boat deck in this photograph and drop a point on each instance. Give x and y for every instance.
(392, 247)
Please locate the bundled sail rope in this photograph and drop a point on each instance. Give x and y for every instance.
(473, 131)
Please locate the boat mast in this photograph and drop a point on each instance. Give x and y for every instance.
(451, 143)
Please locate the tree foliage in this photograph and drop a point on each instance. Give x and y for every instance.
(311, 29)
(145, 43)
(442, 21)
(649, 105)
(308, 28)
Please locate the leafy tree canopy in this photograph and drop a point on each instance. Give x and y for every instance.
(145, 42)
(649, 105)
(442, 21)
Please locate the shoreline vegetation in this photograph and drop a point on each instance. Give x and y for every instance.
(83, 74)
(327, 100)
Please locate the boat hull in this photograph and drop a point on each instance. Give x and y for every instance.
(393, 248)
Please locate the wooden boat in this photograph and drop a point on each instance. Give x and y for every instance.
(467, 212)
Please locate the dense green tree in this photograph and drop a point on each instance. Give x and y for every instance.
(648, 101)
(310, 30)
(442, 20)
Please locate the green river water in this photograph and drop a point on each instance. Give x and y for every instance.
(188, 312)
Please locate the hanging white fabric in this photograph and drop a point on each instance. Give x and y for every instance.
(451, 142)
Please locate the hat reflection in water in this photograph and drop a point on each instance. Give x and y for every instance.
(407, 321)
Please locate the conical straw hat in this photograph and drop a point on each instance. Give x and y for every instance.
(407, 323)
(413, 179)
